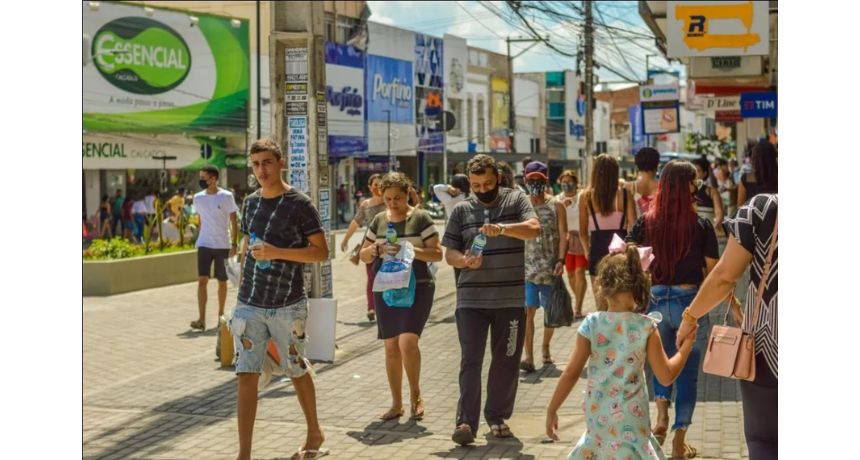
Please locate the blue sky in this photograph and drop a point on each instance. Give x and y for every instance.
(483, 28)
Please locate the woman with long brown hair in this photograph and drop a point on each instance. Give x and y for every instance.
(685, 250)
(604, 208)
(367, 210)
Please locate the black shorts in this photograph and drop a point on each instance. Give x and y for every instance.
(205, 257)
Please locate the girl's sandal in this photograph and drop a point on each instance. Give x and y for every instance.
(392, 414)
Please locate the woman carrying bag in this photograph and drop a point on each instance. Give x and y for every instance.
(401, 327)
(605, 208)
(367, 210)
(753, 242)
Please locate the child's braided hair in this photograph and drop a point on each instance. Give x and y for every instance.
(622, 272)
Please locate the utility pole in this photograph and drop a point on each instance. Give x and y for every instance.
(589, 86)
(511, 109)
(299, 123)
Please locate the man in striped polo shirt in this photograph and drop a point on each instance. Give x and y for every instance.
(490, 295)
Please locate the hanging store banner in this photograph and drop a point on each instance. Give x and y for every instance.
(710, 28)
(712, 104)
(758, 105)
(136, 151)
(389, 87)
(345, 94)
(650, 93)
(500, 142)
(429, 84)
(660, 117)
(637, 134)
(163, 73)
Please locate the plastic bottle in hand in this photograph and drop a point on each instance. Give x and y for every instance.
(391, 234)
(478, 245)
(261, 264)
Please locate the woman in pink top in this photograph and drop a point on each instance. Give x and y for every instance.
(643, 188)
(605, 209)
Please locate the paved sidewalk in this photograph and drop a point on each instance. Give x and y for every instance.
(153, 390)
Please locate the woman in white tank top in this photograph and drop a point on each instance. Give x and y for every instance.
(574, 260)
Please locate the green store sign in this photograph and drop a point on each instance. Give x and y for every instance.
(141, 56)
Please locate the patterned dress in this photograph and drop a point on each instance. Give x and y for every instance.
(616, 403)
(542, 252)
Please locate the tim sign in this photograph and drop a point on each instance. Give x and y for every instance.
(758, 105)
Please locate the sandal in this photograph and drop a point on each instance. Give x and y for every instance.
(198, 325)
(417, 409)
(392, 414)
(660, 435)
(528, 368)
(303, 454)
(547, 357)
(501, 430)
(689, 452)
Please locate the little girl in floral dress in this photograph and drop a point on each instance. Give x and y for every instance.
(615, 345)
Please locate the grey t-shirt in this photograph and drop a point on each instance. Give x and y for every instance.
(500, 281)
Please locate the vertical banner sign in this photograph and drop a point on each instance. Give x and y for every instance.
(297, 148)
(499, 114)
(637, 136)
(345, 93)
(296, 88)
(429, 84)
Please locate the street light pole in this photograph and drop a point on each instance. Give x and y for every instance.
(390, 165)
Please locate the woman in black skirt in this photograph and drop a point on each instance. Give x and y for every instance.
(400, 327)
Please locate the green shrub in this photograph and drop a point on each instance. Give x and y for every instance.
(119, 248)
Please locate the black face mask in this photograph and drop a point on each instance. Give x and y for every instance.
(203, 184)
(536, 188)
(488, 197)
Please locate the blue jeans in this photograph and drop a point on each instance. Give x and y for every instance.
(671, 301)
(285, 326)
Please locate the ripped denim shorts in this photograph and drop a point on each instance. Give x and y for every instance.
(252, 327)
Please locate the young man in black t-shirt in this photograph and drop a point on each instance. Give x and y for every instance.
(272, 302)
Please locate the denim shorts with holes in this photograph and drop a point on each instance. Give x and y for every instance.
(252, 327)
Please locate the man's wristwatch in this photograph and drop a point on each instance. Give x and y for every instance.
(502, 228)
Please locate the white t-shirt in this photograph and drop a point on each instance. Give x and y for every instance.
(448, 201)
(149, 201)
(139, 207)
(214, 213)
(572, 212)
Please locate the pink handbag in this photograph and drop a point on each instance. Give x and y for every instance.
(731, 350)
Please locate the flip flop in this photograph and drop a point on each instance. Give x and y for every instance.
(689, 452)
(391, 414)
(528, 368)
(304, 454)
(660, 436)
(501, 430)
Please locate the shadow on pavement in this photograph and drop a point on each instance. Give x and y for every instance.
(549, 371)
(383, 433)
(192, 334)
(494, 448)
(167, 421)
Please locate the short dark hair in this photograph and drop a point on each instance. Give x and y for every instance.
(647, 159)
(479, 164)
(211, 170)
(266, 145)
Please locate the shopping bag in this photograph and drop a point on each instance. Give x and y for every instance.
(559, 311)
(395, 272)
(402, 298)
(233, 270)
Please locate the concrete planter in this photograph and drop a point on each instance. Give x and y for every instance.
(109, 277)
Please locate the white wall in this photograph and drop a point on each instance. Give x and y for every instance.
(478, 87)
(391, 42)
(93, 186)
(527, 98)
(601, 122)
(456, 58)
